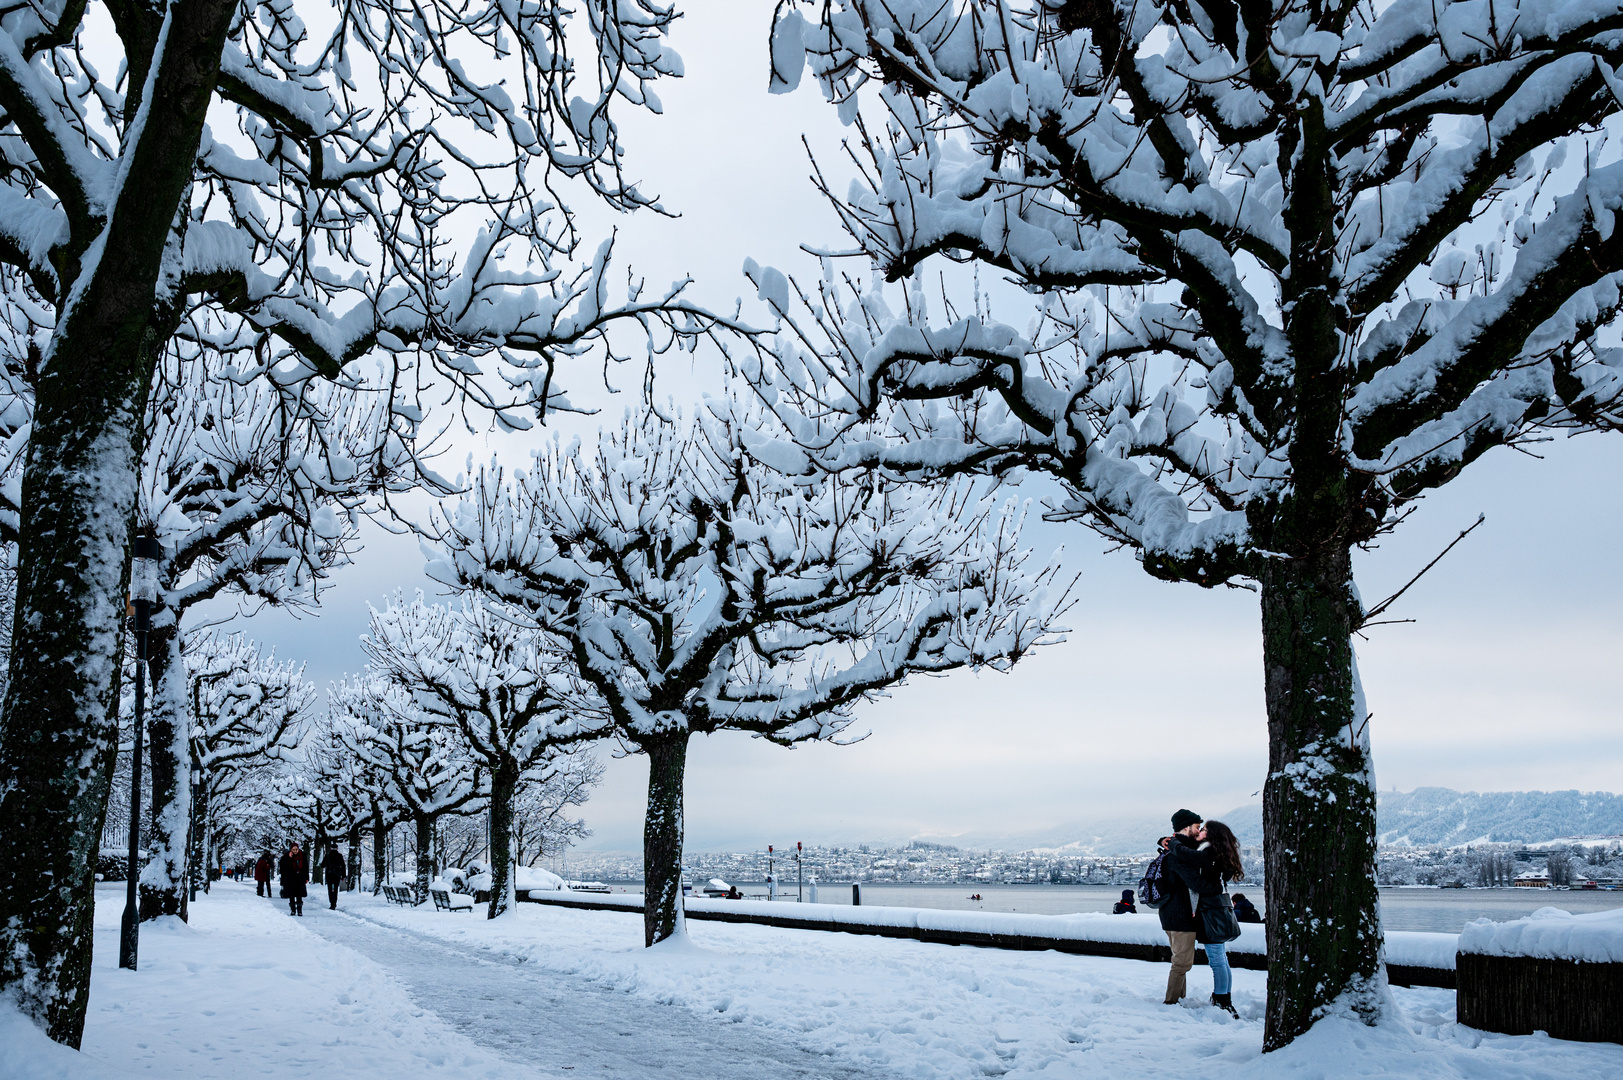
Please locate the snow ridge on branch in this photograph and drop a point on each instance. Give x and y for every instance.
(1142, 167)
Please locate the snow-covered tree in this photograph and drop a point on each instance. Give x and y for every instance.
(1295, 265)
(356, 784)
(256, 492)
(507, 690)
(328, 190)
(246, 706)
(542, 826)
(699, 591)
(246, 818)
(417, 761)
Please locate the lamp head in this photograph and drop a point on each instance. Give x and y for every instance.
(146, 555)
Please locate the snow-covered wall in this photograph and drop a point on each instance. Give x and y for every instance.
(1405, 949)
(1595, 938)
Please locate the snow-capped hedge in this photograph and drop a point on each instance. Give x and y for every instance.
(1414, 948)
(1549, 932)
(533, 877)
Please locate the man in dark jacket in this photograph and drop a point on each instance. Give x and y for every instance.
(262, 874)
(295, 873)
(1177, 914)
(1245, 910)
(333, 872)
(1125, 905)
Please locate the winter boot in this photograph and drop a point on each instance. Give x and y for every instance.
(1226, 1003)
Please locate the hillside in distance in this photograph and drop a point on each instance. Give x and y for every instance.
(1425, 816)
(1442, 816)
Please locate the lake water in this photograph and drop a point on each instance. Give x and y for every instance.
(1440, 910)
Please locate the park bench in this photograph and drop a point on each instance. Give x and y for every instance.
(445, 900)
(401, 894)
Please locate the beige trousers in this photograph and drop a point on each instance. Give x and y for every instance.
(1183, 958)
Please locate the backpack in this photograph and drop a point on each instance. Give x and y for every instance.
(1156, 886)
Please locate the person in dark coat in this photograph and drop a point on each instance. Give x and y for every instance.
(1177, 914)
(1245, 910)
(1208, 868)
(1125, 905)
(262, 874)
(295, 873)
(333, 872)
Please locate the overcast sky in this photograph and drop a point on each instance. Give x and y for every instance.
(1506, 680)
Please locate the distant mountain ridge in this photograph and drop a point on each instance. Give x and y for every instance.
(1424, 816)
(1433, 815)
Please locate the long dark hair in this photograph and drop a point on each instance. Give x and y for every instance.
(1225, 851)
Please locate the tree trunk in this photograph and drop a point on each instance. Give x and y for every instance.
(59, 733)
(352, 865)
(425, 854)
(380, 851)
(197, 859)
(59, 730)
(662, 837)
(503, 782)
(163, 881)
(1324, 931)
(318, 850)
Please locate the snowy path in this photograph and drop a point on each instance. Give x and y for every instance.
(546, 993)
(562, 1024)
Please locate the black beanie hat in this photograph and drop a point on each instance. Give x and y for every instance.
(1127, 896)
(1185, 818)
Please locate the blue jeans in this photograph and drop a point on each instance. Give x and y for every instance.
(1217, 955)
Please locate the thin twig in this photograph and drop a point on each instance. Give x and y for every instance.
(1388, 602)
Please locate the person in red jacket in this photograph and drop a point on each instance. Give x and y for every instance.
(262, 874)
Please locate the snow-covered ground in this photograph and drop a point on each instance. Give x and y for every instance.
(244, 990)
(380, 990)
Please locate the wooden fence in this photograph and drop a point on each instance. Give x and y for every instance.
(1518, 995)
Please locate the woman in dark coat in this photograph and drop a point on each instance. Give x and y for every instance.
(295, 873)
(1207, 870)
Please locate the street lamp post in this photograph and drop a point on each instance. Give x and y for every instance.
(146, 552)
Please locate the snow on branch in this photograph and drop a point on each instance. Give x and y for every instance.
(698, 589)
(408, 759)
(384, 178)
(247, 705)
(506, 687)
(1405, 211)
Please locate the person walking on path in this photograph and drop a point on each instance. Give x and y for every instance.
(262, 875)
(1178, 914)
(1125, 905)
(1208, 868)
(295, 873)
(333, 871)
(1245, 910)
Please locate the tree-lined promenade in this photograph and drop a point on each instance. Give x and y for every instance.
(1290, 268)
